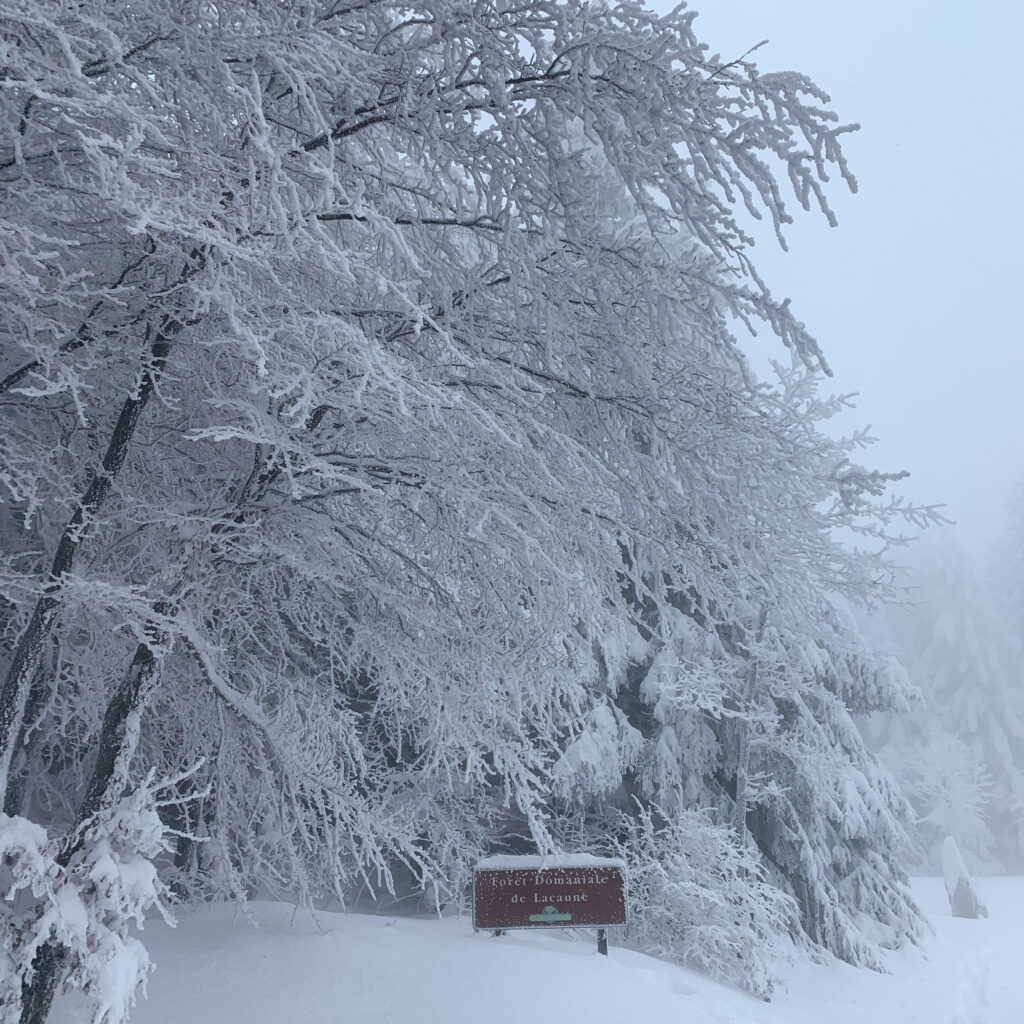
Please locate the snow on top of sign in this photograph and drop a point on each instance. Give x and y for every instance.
(504, 862)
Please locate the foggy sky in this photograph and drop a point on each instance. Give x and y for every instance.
(916, 298)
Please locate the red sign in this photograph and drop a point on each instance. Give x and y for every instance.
(521, 892)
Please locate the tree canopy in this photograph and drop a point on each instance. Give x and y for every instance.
(380, 467)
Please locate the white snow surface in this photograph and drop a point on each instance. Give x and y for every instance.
(554, 860)
(216, 969)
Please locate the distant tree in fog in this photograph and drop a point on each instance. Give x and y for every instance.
(959, 752)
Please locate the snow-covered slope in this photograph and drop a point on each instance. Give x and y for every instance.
(215, 969)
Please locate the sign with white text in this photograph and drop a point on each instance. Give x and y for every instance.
(524, 892)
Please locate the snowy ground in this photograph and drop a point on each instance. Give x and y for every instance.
(371, 970)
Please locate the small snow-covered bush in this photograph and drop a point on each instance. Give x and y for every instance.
(82, 894)
(963, 900)
(950, 790)
(698, 898)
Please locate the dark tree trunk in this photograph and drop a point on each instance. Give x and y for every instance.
(119, 732)
(14, 694)
(750, 700)
(17, 777)
(118, 738)
(119, 735)
(49, 966)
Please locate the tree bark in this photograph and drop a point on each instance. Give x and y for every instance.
(48, 966)
(119, 736)
(739, 816)
(25, 662)
(15, 690)
(117, 733)
(17, 777)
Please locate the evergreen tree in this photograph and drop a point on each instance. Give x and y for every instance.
(959, 755)
(736, 698)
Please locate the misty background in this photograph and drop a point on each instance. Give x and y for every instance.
(916, 298)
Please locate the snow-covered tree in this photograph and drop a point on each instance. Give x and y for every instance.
(959, 753)
(736, 695)
(1007, 570)
(368, 395)
(963, 900)
(949, 789)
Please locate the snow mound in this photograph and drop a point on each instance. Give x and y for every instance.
(216, 969)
